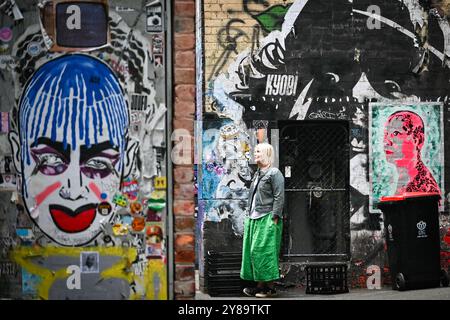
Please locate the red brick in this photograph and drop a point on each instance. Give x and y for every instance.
(184, 41)
(184, 240)
(184, 9)
(183, 224)
(184, 76)
(185, 272)
(185, 59)
(184, 289)
(185, 92)
(184, 256)
(184, 25)
(184, 124)
(183, 174)
(183, 207)
(184, 191)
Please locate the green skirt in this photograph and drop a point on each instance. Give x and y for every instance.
(261, 248)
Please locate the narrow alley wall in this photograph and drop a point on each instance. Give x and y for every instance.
(371, 63)
(83, 150)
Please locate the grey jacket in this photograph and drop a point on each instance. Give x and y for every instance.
(270, 192)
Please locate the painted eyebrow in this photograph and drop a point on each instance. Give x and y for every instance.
(55, 145)
(87, 153)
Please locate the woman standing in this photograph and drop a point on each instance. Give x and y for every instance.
(263, 226)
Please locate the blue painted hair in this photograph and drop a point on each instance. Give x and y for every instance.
(77, 94)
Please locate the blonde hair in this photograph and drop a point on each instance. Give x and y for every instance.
(267, 153)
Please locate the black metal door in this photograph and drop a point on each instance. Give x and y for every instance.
(314, 158)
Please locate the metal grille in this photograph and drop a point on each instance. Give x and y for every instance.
(317, 155)
(314, 158)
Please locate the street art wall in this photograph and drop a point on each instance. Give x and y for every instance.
(83, 150)
(382, 67)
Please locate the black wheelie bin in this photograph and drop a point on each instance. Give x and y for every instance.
(411, 225)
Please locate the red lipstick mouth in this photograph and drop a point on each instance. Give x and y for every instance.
(389, 151)
(71, 221)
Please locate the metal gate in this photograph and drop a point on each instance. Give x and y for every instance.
(314, 158)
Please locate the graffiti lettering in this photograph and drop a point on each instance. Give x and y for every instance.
(8, 268)
(283, 85)
(326, 115)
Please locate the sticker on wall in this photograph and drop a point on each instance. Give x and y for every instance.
(4, 122)
(104, 208)
(160, 182)
(158, 60)
(120, 200)
(139, 102)
(136, 208)
(75, 26)
(153, 215)
(6, 61)
(6, 34)
(154, 17)
(6, 164)
(154, 238)
(25, 235)
(157, 44)
(130, 189)
(138, 224)
(156, 204)
(119, 229)
(89, 262)
(34, 48)
(8, 182)
(158, 194)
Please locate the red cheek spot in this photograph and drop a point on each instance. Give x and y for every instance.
(47, 192)
(96, 190)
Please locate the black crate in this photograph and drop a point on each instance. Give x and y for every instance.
(326, 279)
(222, 270)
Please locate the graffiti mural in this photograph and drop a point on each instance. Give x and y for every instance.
(71, 119)
(329, 61)
(85, 143)
(406, 149)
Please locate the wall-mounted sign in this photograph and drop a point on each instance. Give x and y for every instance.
(76, 25)
(154, 16)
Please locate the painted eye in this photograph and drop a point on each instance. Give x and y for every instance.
(50, 164)
(392, 86)
(97, 168)
(96, 164)
(395, 133)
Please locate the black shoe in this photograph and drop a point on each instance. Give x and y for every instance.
(251, 292)
(267, 293)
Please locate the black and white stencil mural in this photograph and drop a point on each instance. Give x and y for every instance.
(323, 60)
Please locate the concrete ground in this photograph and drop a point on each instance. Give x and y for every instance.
(385, 293)
(354, 294)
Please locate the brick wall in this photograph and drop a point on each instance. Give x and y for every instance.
(184, 108)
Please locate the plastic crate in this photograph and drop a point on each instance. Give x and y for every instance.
(222, 271)
(326, 279)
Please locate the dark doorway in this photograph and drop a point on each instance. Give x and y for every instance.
(314, 158)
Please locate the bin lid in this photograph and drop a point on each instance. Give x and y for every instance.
(409, 195)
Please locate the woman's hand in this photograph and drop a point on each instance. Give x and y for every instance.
(275, 219)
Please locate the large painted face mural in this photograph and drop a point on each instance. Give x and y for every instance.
(71, 146)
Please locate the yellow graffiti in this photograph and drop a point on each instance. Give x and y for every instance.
(154, 281)
(122, 269)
